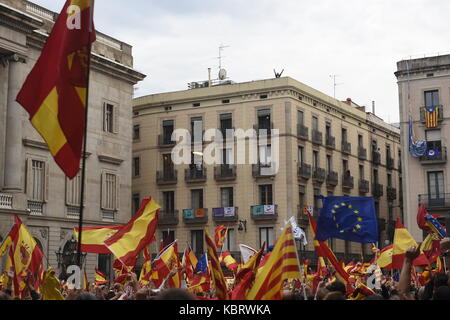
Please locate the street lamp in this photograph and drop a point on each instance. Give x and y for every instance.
(68, 257)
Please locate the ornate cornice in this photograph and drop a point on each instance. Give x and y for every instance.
(110, 160)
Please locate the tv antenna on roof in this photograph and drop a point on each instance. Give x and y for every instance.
(222, 71)
(334, 76)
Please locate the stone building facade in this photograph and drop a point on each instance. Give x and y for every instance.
(326, 147)
(422, 83)
(31, 184)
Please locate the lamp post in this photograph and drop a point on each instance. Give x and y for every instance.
(68, 256)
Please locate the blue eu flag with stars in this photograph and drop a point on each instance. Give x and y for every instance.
(348, 218)
(202, 264)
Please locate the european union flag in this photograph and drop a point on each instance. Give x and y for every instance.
(202, 264)
(348, 218)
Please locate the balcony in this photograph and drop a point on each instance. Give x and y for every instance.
(262, 171)
(364, 186)
(376, 158)
(362, 153)
(167, 177)
(6, 201)
(36, 208)
(390, 163)
(317, 137)
(304, 171)
(195, 216)
(262, 130)
(73, 212)
(229, 214)
(264, 213)
(348, 182)
(391, 194)
(377, 190)
(440, 113)
(439, 157)
(346, 147)
(319, 175)
(165, 141)
(168, 218)
(195, 175)
(330, 142)
(109, 215)
(332, 179)
(435, 201)
(225, 172)
(302, 132)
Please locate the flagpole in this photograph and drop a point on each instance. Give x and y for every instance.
(83, 168)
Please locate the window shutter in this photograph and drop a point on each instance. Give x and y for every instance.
(68, 191)
(117, 193)
(104, 116)
(46, 181)
(103, 191)
(29, 178)
(116, 113)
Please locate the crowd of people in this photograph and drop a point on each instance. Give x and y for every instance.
(329, 288)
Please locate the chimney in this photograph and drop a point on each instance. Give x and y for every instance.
(373, 107)
(349, 101)
(209, 78)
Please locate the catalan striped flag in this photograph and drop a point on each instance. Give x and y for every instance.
(282, 265)
(166, 262)
(100, 278)
(139, 232)
(227, 259)
(54, 93)
(431, 116)
(93, 240)
(216, 269)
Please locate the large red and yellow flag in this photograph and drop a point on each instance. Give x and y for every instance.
(146, 268)
(93, 240)
(189, 262)
(100, 278)
(216, 269)
(138, 233)
(283, 264)
(220, 234)
(227, 259)
(165, 263)
(54, 94)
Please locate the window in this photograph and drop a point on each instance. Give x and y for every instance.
(300, 118)
(226, 123)
(302, 198)
(360, 141)
(230, 241)
(377, 209)
(361, 172)
(431, 98)
(266, 235)
(197, 241)
(436, 187)
(168, 237)
(389, 180)
(227, 156)
(110, 191)
(73, 191)
(136, 167)
(197, 198)
(375, 176)
(265, 195)
(136, 132)
(37, 180)
(104, 264)
(328, 130)
(168, 166)
(226, 197)
(197, 129)
(169, 201)
(265, 155)
(344, 166)
(301, 155)
(168, 127)
(264, 119)
(315, 160)
(317, 202)
(344, 135)
(315, 123)
(329, 164)
(109, 118)
(433, 138)
(136, 202)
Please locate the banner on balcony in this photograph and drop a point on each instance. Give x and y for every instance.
(199, 213)
(269, 210)
(431, 116)
(258, 210)
(188, 214)
(219, 212)
(433, 153)
(229, 212)
(417, 148)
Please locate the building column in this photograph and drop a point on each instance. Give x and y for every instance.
(13, 142)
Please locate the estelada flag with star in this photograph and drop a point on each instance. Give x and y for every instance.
(348, 218)
(54, 93)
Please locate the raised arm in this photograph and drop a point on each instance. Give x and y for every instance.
(404, 285)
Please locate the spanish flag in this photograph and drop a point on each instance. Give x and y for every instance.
(227, 259)
(100, 278)
(216, 269)
(54, 94)
(133, 237)
(385, 258)
(51, 287)
(402, 242)
(282, 265)
(200, 283)
(189, 262)
(220, 234)
(146, 268)
(94, 238)
(166, 262)
(361, 292)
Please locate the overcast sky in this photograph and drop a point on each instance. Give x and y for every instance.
(175, 41)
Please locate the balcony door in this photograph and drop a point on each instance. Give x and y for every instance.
(168, 166)
(436, 195)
